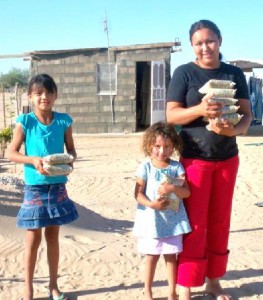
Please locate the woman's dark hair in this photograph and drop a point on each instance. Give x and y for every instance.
(42, 81)
(205, 24)
(164, 129)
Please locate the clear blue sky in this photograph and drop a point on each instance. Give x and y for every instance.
(32, 25)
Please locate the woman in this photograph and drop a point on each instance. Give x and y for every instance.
(210, 158)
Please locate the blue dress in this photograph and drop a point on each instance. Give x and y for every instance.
(151, 223)
(46, 201)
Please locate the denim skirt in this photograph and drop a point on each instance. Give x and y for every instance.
(46, 205)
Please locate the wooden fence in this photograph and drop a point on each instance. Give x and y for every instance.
(12, 103)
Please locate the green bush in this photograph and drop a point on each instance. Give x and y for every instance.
(14, 76)
(6, 135)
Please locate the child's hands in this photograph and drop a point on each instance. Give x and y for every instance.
(160, 203)
(71, 164)
(164, 189)
(38, 164)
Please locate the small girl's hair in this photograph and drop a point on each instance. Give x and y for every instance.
(42, 81)
(166, 130)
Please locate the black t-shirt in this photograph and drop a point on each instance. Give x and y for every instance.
(183, 87)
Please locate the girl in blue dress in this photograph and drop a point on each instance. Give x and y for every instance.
(158, 225)
(46, 203)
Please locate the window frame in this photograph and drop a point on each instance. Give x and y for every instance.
(102, 67)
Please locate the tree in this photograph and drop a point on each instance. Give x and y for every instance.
(14, 76)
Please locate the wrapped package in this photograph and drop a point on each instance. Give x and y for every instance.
(223, 93)
(229, 109)
(233, 118)
(58, 170)
(58, 158)
(218, 84)
(223, 101)
(58, 164)
(174, 200)
(220, 93)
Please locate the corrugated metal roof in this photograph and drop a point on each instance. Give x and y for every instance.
(46, 52)
(117, 48)
(29, 54)
(246, 64)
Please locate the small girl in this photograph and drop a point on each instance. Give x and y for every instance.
(46, 203)
(159, 225)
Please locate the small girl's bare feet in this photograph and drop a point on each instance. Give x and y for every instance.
(214, 288)
(172, 296)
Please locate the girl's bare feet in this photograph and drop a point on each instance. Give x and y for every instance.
(28, 293)
(148, 297)
(214, 288)
(184, 293)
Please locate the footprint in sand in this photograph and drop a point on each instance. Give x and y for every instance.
(80, 239)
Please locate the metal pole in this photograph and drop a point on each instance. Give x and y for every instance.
(109, 63)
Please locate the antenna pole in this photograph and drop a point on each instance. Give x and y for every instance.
(109, 63)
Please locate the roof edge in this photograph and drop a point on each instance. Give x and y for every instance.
(115, 48)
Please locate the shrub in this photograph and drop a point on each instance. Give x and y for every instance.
(6, 135)
(5, 138)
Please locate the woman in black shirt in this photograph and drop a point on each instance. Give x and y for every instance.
(210, 158)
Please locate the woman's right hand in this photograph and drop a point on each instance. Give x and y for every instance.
(210, 110)
(160, 203)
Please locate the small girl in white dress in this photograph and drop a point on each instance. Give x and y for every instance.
(159, 225)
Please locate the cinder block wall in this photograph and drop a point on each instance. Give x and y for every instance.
(75, 75)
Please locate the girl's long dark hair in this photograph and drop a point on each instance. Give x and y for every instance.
(40, 81)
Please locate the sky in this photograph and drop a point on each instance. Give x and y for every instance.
(71, 24)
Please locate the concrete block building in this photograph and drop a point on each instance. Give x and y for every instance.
(109, 90)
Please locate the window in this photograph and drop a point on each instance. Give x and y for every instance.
(107, 79)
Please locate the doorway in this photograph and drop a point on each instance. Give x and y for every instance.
(150, 93)
(143, 95)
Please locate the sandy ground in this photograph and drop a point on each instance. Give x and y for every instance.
(98, 252)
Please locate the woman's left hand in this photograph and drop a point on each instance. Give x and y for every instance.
(224, 128)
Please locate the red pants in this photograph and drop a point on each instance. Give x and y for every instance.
(205, 251)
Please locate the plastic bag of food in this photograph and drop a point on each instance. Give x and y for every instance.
(58, 158)
(174, 200)
(223, 101)
(57, 170)
(220, 93)
(218, 84)
(232, 118)
(229, 109)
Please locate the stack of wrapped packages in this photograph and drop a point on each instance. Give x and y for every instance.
(223, 92)
(58, 164)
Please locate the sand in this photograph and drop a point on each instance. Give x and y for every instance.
(98, 257)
